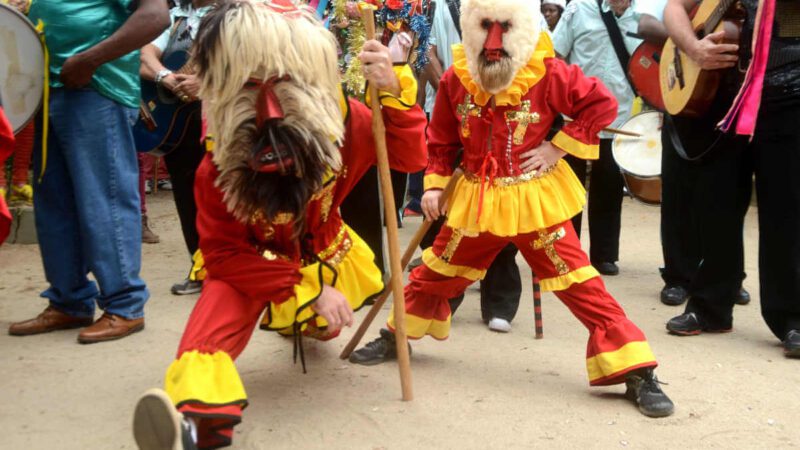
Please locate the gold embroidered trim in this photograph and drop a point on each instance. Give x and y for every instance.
(338, 248)
(465, 110)
(523, 117)
(547, 242)
(452, 244)
(501, 182)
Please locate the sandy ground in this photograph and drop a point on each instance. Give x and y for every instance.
(477, 390)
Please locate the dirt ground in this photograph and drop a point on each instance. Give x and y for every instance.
(477, 390)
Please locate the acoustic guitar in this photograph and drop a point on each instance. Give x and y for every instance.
(643, 71)
(687, 89)
(163, 117)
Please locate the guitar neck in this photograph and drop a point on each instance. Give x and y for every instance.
(715, 17)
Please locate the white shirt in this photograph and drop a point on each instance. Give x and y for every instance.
(581, 37)
(193, 17)
(443, 35)
(653, 8)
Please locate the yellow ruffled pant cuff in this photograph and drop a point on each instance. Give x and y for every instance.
(209, 379)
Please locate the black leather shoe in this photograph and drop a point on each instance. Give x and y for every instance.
(380, 350)
(674, 295)
(690, 324)
(742, 297)
(607, 268)
(643, 389)
(791, 345)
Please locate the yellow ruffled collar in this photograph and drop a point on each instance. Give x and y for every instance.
(526, 77)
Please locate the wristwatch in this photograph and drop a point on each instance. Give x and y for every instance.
(163, 73)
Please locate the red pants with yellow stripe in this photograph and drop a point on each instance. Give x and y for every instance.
(457, 259)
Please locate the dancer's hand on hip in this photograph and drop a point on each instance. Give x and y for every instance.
(333, 307)
(541, 158)
(377, 67)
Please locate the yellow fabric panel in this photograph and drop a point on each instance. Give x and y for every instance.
(525, 207)
(417, 327)
(408, 90)
(198, 272)
(435, 181)
(526, 77)
(437, 265)
(210, 379)
(629, 355)
(575, 147)
(563, 282)
(358, 279)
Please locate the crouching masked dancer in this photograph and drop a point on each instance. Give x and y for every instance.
(498, 101)
(288, 149)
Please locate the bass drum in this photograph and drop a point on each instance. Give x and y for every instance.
(639, 158)
(21, 67)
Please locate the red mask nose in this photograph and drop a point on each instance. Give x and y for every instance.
(493, 47)
(267, 106)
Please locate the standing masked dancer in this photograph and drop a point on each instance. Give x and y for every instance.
(498, 102)
(288, 149)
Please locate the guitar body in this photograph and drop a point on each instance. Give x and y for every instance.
(687, 89)
(643, 69)
(164, 118)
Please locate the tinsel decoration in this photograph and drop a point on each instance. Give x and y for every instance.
(416, 22)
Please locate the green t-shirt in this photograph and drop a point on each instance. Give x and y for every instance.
(73, 26)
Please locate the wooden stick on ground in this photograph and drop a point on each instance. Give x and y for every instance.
(409, 253)
(379, 133)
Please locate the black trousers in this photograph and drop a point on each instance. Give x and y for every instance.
(182, 164)
(500, 289)
(722, 199)
(605, 203)
(362, 210)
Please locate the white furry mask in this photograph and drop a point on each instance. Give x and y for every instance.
(523, 18)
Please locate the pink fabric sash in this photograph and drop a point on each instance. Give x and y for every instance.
(744, 111)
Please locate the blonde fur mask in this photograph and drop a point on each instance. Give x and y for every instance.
(521, 22)
(248, 51)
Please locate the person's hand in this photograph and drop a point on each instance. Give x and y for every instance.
(78, 70)
(377, 67)
(20, 5)
(399, 46)
(430, 204)
(710, 53)
(541, 158)
(333, 307)
(187, 88)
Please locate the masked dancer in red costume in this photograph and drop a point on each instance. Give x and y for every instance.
(288, 149)
(498, 102)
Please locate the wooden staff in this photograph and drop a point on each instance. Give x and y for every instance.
(379, 133)
(409, 253)
(613, 130)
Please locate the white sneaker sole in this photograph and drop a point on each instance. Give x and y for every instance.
(156, 423)
(499, 325)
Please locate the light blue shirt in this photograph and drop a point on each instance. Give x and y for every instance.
(443, 35)
(581, 37)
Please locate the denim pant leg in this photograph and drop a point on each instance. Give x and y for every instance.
(95, 135)
(58, 231)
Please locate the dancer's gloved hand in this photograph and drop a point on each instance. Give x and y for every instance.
(333, 307)
(399, 46)
(377, 67)
(541, 158)
(430, 204)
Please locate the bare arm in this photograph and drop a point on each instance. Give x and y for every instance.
(144, 25)
(434, 70)
(652, 30)
(151, 62)
(708, 52)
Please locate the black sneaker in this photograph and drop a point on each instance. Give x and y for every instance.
(791, 345)
(674, 295)
(187, 287)
(380, 350)
(690, 324)
(742, 297)
(607, 268)
(644, 390)
(157, 425)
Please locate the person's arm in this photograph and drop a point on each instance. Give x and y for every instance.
(144, 25)
(652, 30)
(434, 70)
(710, 53)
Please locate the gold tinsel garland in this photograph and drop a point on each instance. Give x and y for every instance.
(353, 78)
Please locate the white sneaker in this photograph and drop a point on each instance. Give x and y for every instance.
(157, 425)
(499, 325)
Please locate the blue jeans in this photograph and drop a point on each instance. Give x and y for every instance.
(87, 207)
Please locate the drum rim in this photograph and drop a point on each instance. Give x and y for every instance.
(36, 33)
(614, 147)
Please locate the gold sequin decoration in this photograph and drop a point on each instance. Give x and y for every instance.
(465, 110)
(547, 242)
(455, 240)
(523, 117)
(501, 182)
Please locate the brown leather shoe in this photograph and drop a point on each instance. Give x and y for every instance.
(49, 320)
(110, 327)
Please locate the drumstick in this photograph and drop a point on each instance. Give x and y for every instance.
(613, 130)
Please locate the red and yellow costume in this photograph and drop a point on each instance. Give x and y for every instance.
(6, 147)
(258, 266)
(496, 203)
